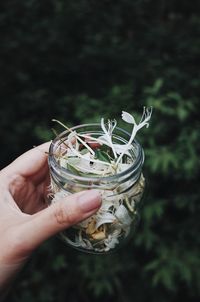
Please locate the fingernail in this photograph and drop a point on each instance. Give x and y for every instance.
(89, 200)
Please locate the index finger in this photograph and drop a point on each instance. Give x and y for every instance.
(30, 162)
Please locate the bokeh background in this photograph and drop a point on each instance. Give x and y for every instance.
(78, 61)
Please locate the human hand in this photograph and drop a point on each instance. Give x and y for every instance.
(25, 221)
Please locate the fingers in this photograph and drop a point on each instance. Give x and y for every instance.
(30, 162)
(60, 215)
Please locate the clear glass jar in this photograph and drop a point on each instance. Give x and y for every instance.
(121, 194)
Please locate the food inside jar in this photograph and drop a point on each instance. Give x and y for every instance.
(91, 156)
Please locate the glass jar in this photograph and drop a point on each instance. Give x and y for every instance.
(114, 222)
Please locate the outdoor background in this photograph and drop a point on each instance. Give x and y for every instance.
(77, 61)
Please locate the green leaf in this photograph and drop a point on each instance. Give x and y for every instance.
(73, 169)
(102, 155)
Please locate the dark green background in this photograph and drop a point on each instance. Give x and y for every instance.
(77, 61)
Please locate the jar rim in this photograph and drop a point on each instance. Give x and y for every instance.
(55, 165)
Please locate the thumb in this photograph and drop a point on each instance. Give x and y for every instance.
(61, 215)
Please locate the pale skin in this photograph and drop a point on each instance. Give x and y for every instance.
(25, 220)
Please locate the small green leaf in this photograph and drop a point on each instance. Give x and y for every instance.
(72, 169)
(84, 151)
(102, 155)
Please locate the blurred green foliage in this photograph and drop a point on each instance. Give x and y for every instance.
(77, 61)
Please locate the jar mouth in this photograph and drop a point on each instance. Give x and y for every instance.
(55, 166)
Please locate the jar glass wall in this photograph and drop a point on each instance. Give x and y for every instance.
(115, 221)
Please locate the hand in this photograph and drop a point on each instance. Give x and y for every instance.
(25, 221)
